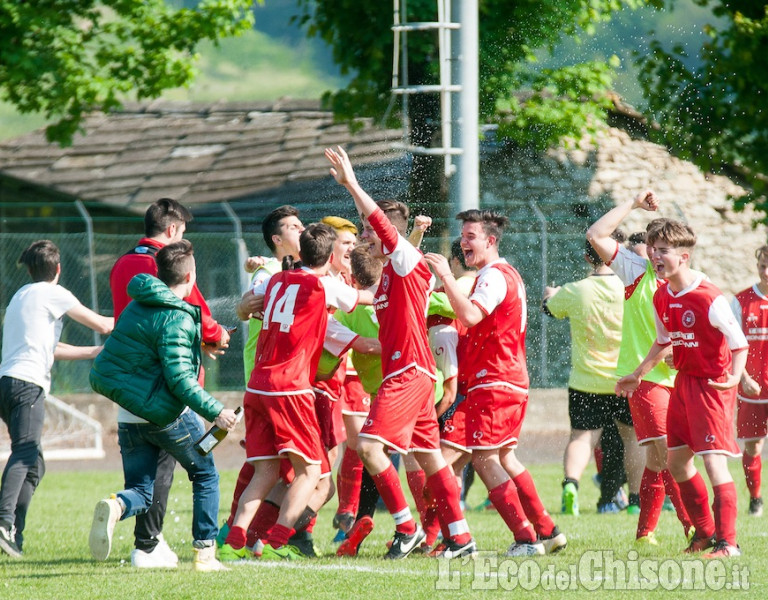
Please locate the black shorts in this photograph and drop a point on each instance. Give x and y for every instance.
(589, 411)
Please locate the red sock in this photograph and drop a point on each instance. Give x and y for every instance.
(434, 514)
(532, 506)
(673, 491)
(416, 481)
(348, 482)
(696, 500)
(265, 517)
(279, 535)
(236, 537)
(311, 525)
(442, 486)
(598, 452)
(724, 507)
(506, 500)
(651, 501)
(388, 484)
(753, 466)
(243, 479)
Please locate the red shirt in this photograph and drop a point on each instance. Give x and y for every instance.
(401, 303)
(754, 323)
(492, 353)
(699, 324)
(130, 265)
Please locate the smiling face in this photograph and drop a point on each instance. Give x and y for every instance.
(370, 237)
(342, 248)
(479, 248)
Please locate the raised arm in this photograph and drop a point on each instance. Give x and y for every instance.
(599, 234)
(420, 225)
(344, 174)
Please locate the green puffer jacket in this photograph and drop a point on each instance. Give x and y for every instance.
(150, 363)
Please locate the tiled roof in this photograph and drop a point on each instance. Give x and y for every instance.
(192, 152)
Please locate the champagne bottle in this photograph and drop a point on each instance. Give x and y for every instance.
(213, 436)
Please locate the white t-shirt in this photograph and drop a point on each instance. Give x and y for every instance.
(31, 331)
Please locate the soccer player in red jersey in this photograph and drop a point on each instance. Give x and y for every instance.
(279, 403)
(403, 416)
(709, 352)
(751, 309)
(494, 377)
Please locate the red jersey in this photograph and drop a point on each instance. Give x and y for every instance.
(699, 324)
(142, 260)
(293, 330)
(752, 311)
(401, 303)
(493, 352)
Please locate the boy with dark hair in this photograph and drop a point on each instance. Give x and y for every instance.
(709, 352)
(494, 378)
(280, 417)
(165, 222)
(403, 416)
(31, 332)
(150, 368)
(751, 309)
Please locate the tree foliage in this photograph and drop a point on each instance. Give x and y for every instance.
(532, 106)
(716, 113)
(64, 58)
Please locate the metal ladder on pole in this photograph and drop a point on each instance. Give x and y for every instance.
(402, 87)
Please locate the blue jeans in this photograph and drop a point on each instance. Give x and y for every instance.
(140, 445)
(22, 408)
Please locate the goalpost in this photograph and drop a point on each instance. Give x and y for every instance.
(68, 434)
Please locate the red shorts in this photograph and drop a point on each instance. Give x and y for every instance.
(403, 416)
(331, 425)
(494, 417)
(701, 417)
(275, 425)
(453, 433)
(648, 405)
(354, 399)
(751, 420)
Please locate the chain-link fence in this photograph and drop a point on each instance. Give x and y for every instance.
(545, 248)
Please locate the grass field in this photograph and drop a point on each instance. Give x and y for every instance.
(57, 562)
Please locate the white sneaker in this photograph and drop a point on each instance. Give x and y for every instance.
(106, 514)
(161, 557)
(206, 561)
(169, 554)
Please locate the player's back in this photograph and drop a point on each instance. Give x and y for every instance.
(292, 333)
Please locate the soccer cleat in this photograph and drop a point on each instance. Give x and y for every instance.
(285, 552)
(699, 544)
(257, 548)
(620, 499)
(633, 509)
(570, 499)
(221, 538)
(303, 542)
(360, 530)
(205, 559)
(554, 542)
(437, 550)
(229, 554)
(343, 521)
(451, 549)
(723, 550)
(649, 539)
(339, 537)
(106, 514)
(756, 507)
(8, 542)
(403, 544)
(608, 508)
(526, 549)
